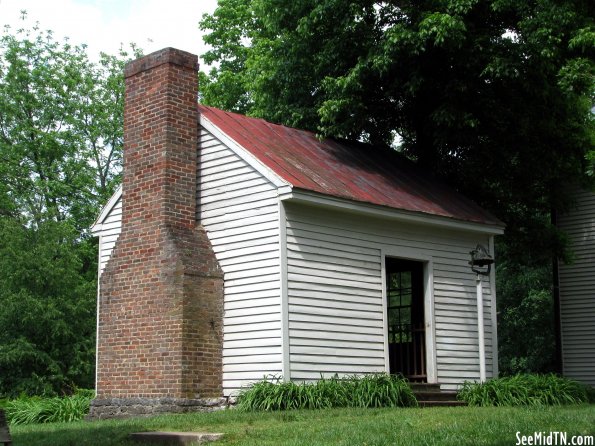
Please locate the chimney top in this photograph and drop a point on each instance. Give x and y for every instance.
(164, 56)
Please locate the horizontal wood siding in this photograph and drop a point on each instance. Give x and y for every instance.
(577, 291)
(335, 294)
(239, 209)
(110, 230)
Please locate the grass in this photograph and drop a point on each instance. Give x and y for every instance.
(373, 390)
(29, 410)
(524, 390)
(455, 426)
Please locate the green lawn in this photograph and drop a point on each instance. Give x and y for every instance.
(371, 427)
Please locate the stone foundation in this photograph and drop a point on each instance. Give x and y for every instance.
(144, 407)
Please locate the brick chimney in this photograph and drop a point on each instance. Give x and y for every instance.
(161, 293)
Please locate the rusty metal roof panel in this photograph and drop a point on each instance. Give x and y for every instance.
(353, 171)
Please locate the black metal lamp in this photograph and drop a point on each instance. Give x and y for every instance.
(481, 261)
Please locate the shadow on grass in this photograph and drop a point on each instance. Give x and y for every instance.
(116, 432)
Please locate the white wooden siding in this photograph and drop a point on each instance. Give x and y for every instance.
(577, 291)
(335, 294)
(239, 209)
(110, 231)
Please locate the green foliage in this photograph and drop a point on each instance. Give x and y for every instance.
(31, 410)
(60, 127)
(525, 313)
(232, 25)
(590, 394)
(60, 150)
(591, 159)
(524, 390)
(47, 312)
(447, 76)
(463, 83)
(374, 390)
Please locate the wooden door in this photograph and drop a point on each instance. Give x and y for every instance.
(405, 318)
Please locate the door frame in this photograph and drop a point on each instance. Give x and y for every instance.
(429, 322)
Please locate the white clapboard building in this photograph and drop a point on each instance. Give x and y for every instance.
(337, 258)
(313, 236)
(577, 290)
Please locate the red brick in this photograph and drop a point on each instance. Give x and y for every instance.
(161, 293)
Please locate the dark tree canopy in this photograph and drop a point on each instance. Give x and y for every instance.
(495, 96)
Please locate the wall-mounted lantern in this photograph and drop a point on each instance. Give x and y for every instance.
(481, 264)
(481, 260)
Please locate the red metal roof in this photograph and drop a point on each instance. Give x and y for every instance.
(352, 171)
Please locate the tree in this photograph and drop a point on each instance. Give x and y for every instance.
(47, 293)
(232, 26)
(465, 83)
(60, 151)
(495, 96)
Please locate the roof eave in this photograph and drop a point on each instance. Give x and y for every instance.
(243, 153)
(312, 198)
(96, 227)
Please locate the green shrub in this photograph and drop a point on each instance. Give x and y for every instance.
(590, 394)
(524, 390)
(29, 410)
(375, 390)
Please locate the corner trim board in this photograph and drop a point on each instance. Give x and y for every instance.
(384, 309)
(285, 365)
(494, 314)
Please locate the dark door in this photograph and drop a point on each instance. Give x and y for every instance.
(406, 328)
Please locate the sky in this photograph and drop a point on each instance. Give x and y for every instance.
(105, 24)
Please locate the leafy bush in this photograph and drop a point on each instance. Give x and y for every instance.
(526, 342)
(524, 390)
(29, 410)
(375, 390)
